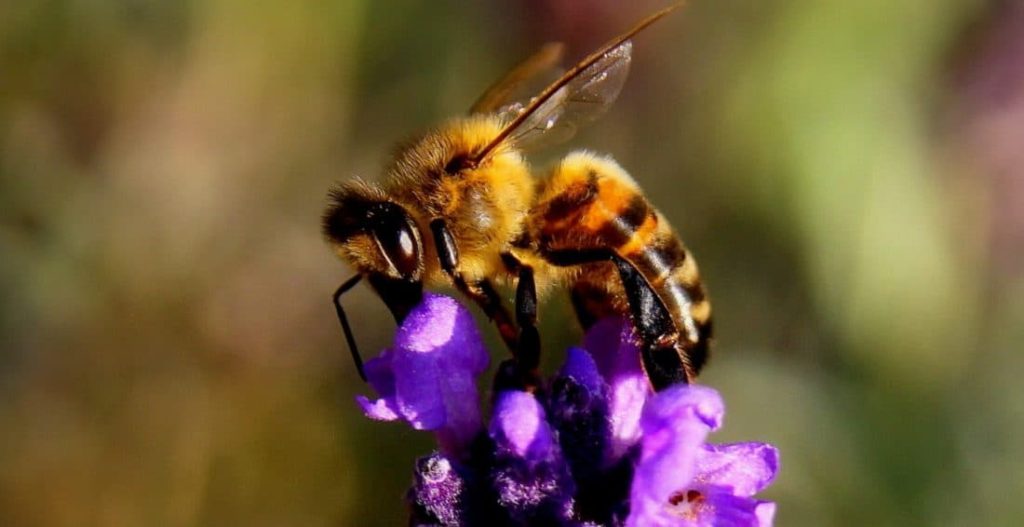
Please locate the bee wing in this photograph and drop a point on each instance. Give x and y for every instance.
(582, 100)
(580, 95)
(535, 71)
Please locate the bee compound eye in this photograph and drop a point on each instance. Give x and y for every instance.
(398, 245)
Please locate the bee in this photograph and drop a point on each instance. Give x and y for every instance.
(459, 206)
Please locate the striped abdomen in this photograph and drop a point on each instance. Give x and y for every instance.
(591, 203)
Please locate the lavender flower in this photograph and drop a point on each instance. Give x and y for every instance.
(428, 378)
(591, 447)
(702, 484)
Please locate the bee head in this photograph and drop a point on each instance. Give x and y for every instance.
(373, 233)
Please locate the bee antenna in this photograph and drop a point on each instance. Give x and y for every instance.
(349, 338)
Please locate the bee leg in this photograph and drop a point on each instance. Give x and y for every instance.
(349, 338)
(520, 373)
(481, 292)
(485, 296)
(400, 296)
(528, 352)
(663, 360)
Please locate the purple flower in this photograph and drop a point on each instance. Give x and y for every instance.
(680, 480)
(593, 446)
(529, 475)
(611, 343)
(428, 378)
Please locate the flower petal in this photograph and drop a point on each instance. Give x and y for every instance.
(612, 344)
(418, 391)
(765, 511)
(377, 409)
(428, 378)
(530, 476)
(519, 425)
(581, 368)
(745, 468)
(720, 508)
(381, 377)
(578, 409)
(675, 424)
(440, 323)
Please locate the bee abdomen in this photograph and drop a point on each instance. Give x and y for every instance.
(686, 298)
(672, 272)
(592, 203)
(644, 237)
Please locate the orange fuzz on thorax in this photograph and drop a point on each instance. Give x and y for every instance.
(484, 206)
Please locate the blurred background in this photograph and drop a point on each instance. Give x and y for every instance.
(849, 174)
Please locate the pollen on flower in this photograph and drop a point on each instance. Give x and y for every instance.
(689, 505)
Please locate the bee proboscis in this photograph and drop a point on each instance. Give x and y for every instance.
(459, 206)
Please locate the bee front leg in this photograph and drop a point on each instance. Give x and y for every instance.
(357, 359)
(482, 292)
(400, 296)
(662, 357)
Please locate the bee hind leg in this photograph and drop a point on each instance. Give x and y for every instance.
(664, 362)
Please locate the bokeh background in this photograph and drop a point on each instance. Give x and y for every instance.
(849, 174)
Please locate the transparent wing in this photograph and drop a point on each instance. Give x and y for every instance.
(522, 81)
(583, 99)
(579, 96)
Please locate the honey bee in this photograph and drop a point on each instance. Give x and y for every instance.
(459, 207)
